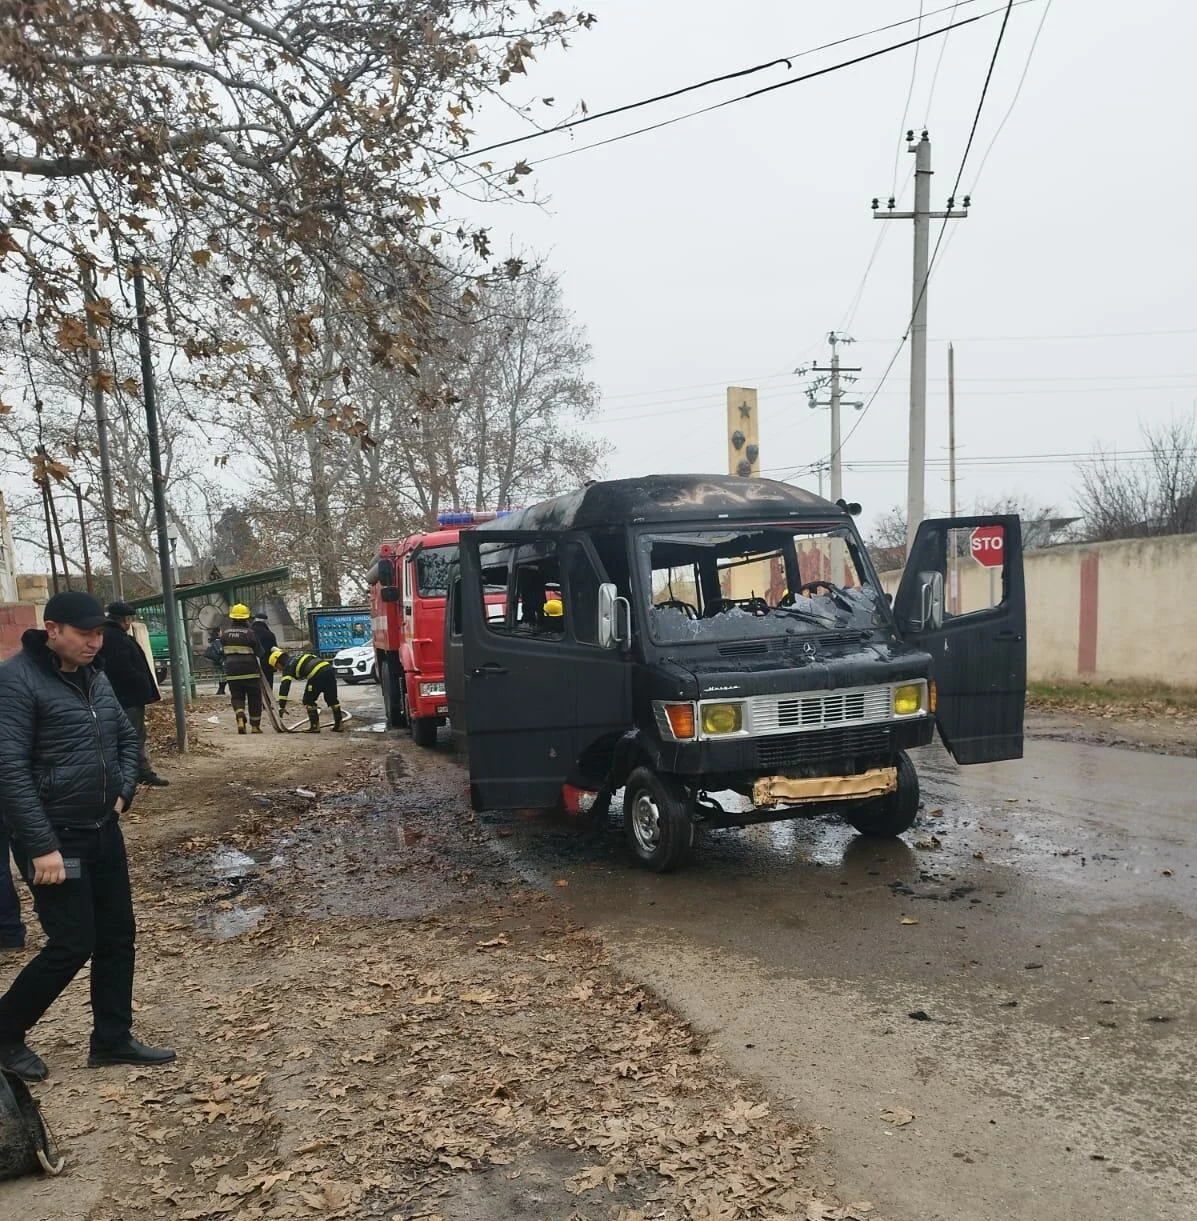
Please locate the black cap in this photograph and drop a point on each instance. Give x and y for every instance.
(121, 610)
(76, 609)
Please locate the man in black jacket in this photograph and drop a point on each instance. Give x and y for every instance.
(123, 660)
(68, 769)
(269, 642)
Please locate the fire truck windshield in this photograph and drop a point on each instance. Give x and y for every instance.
(432, 570)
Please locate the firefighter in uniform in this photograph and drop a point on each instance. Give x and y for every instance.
(318, 678)
(243, 668)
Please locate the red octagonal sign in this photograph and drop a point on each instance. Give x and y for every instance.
(987, 545)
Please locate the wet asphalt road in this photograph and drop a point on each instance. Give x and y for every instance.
(1019, 972)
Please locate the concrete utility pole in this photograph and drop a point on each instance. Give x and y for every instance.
(954, 574)
(835, 402)
(922, 217)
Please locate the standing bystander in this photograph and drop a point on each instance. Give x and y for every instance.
(123, 660)
(269, 642)
(68, 770)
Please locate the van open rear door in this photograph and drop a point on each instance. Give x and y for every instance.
(963, 600)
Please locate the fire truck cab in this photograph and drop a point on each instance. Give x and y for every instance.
(408, 586)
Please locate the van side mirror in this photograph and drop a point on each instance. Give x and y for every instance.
(390, 593)
(930, 602)
(614, 618)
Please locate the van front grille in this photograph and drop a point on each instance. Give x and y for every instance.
(862, 743)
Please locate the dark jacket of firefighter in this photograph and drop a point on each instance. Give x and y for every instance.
(242, 653)
(67, 750)
(302, 667)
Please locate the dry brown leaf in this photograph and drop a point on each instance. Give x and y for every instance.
(898, 1116)
(909, 920)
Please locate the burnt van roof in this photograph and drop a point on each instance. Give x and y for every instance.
(652, 498)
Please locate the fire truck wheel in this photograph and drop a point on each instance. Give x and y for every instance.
(392, 696)
(423, 730)
(890, 815)
(658, 820)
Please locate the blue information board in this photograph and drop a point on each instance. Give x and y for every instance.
(332, 628)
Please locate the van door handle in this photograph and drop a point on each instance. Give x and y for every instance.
(1008, 636)
(489, 670)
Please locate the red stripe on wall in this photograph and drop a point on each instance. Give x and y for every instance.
(1086, 653)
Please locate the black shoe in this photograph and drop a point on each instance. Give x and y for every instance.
(154, 780)
(18, 1059)
(129, 1051)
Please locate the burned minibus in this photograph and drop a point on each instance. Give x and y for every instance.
(723, 651)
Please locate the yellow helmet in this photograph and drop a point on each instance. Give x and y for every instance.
(553, 608)
(273, 659)
(240, 611)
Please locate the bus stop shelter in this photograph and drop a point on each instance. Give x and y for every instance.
(203, 607)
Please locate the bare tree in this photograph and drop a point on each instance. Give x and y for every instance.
(194, 135)
(1149, 494)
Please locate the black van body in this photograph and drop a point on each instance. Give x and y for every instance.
(682, 636)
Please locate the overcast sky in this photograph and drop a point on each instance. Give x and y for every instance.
(722, 249)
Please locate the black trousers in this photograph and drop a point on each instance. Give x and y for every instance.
(324, 684)
(136, 715)
(89, 917)
(12, 931)
(247, 690)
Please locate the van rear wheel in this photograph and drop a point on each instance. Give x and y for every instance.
(895, 812)
(658, 820)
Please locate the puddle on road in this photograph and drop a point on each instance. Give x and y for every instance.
(393, 852)
(222, 924)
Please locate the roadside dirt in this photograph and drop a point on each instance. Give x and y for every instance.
(376, 1017)
(1149, 725)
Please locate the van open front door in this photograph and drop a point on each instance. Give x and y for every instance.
(537, 687)
(963, 600)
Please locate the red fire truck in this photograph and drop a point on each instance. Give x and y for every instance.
(408, 585)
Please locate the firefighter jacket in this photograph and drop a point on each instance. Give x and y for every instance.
(242, 653)
(301, 669)
(67, 750)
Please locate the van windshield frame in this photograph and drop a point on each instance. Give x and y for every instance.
(726, 580)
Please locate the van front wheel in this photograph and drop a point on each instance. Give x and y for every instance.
(895, 812)
(658, 820)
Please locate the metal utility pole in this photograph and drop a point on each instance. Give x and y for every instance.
(922, 217)
(835, 402)
(174, 637)
(97, 398)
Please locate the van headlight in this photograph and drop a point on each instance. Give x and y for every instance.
(910, 699)
(720, 719)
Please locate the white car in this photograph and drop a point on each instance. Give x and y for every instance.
(356, 664)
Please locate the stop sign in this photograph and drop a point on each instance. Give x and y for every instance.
(988, 546)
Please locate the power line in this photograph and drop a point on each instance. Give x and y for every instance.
(943, 46)
(914, 68)
(942, 228)
(704, 84)
(797, 80)
(1009, 109)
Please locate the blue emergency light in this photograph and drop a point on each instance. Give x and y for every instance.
(458, 518)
